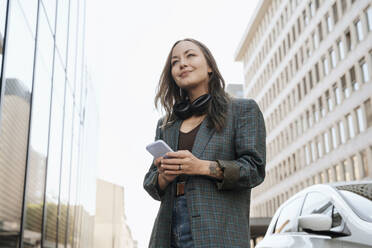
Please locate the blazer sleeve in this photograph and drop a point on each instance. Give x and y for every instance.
(248, 170)
(150, 182)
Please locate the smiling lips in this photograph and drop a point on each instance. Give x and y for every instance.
(184, 74)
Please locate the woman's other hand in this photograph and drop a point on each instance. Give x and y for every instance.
(183, 162)
(163, 178)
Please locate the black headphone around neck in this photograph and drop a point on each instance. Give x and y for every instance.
(185, 109)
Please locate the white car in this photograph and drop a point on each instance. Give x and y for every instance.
(338, 215)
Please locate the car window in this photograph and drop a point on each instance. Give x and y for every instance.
(287, 219)
(316, 203)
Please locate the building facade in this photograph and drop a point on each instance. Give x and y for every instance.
(308, 64)
(110, 226)
(235, 90)
(48, 126)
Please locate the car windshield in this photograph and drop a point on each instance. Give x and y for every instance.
(359, 198)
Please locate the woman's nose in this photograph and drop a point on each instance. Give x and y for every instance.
(183, 63)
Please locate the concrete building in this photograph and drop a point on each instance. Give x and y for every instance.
(235, 90)
(308, 64)
(111, 229)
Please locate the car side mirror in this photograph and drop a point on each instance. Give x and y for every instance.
(315, 222)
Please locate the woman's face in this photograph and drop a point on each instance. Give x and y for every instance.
(189, 67)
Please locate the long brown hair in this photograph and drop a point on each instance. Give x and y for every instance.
(168, 92)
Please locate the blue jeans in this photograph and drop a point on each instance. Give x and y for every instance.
(181, 229)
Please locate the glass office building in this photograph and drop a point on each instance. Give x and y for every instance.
(48, 126)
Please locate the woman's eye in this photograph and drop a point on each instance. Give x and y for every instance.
(190, 54)
(174, 62)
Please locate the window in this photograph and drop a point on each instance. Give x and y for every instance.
(354, 83)
(304, 85)
(348, 173)
(317, 76)
(306, 18)
(360, 119)
(330, 175)
(341, 49)
(320, 149)
(365, 72)
(336, 91)
(369, 17)
(315, 203)
(368, 112)
(325, 66)
(350, 124)
(287, 219)
(334, 137)
(313, 150)
(343, 5)
(348, 41)
(321, 107)
(340, 172)
(364, 161)
(355, 163)
(345, 89)
(332, 54)
(299, 92)
(329, 23)
(3, 7)
(329, 101)
(16, 99)
(326, 142)
(359, 29)
(335, 14)
(307, 155)
(320, 30)
(312, 9)
(315, 40)
(315, 113)
(341, 129)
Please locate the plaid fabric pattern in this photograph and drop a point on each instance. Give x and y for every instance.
(219, 211)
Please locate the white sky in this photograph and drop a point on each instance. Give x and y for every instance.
(127, 43)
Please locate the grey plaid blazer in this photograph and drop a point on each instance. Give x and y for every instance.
(218, 210)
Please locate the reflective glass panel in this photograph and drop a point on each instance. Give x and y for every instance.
(50, 8)
(54, 159)
(28, 9)
(38, 144)
(3, 5)
(72, 43)
(74, 179)
(66, 168)
(15, 120)
(61, 30)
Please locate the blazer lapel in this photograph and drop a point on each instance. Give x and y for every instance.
(171, 135)
(202, 138)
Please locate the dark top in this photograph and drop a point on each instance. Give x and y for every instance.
(186, 142)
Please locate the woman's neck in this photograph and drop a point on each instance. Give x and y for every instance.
(195, 94)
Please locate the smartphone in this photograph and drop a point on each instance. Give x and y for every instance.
(158, 148)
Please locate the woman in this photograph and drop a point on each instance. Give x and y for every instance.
(219, 143)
